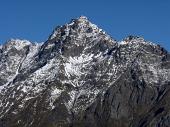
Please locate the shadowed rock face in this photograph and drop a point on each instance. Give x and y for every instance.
(81, 77)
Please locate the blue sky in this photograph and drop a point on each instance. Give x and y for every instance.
(34, 20)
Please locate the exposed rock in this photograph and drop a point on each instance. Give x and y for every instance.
(81, 77)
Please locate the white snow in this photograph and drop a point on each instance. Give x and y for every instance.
(70, 103)
(30, 56)
(48, 71)
(10, 80)
(83, 17)
(55, 93)
(136, 41)
(74, 65)
(19, 44)
(24, 89)
(75, 71)
(53, 35)
(50, 45)
(67, 30)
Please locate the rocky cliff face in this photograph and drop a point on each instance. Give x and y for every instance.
(81, 77)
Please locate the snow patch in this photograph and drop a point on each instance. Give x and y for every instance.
(18, 44)
(69, 105)
(54, 95)
(74, 66)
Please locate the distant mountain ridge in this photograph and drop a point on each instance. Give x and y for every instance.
(82, 77)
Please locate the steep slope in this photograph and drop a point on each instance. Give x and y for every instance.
(82, 77)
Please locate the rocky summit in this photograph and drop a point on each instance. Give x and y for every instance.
(81, 77)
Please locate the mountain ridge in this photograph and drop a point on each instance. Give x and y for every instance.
(82, 77)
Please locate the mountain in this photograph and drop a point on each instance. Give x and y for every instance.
(81, 77)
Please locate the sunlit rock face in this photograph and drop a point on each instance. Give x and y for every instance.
(81, 77)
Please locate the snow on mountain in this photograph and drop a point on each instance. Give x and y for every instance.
(82, 77)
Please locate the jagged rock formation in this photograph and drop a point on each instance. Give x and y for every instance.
(81, 77)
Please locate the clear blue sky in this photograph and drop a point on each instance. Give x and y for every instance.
(34, 20)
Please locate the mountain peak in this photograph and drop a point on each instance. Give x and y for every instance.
(17, 44)
(132, 37)
(14, 41)
(81, 35)
(81, 77)
(135, 40)
(81, 27)
(82, 17)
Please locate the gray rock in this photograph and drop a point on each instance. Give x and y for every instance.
(81, 77)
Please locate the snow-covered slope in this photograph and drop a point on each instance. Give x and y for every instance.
(82, 77)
